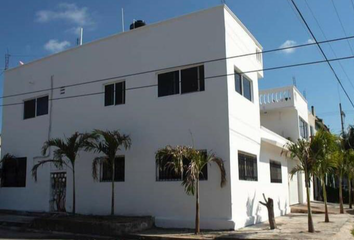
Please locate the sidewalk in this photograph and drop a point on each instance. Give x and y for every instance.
(292, 226)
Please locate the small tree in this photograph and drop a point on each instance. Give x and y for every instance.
(323, 145)
(348, 147)
(301, 151)
(109, 143)
(171, 158)
(66, 153)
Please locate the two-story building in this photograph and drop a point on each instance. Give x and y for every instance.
(156, 83)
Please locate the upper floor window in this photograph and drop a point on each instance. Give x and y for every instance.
(275, 172)
(114, 94)
(181, 81)
(13, 173)
(243, 86)
(303, 128)
(119, 170)
(35, 107)
(164, 173)
(247, 166)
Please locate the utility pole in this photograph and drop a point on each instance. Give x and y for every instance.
(7, 59)
(342, 116)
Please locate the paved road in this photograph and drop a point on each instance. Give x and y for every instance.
(14, 233)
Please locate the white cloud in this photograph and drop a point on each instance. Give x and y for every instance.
(288, 43)
(310, 41)
(54, 46)
(69, 12)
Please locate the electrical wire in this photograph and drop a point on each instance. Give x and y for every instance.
(325, 37)
(180, 66)
(324, 55)
(210, 77)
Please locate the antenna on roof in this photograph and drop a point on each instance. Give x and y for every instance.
(80, 38)
(294, 81)
(223, 1)
(7, 59)
(305, 94)
(122, 20)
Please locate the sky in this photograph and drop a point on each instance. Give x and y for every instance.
(38, 28)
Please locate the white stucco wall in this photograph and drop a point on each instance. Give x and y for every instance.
(152, 122)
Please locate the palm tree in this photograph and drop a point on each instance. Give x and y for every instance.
(348, 144)
(171, 158)
(66, 153)
(341, 167)
(323, 144)
(108, 143)
(301, 151)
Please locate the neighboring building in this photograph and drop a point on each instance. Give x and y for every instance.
(285, 111)
(156, 108)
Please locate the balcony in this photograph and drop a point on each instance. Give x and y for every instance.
(284, 97)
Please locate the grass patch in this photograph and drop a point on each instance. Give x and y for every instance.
(353, 231)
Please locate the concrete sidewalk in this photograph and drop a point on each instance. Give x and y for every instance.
(292, 226)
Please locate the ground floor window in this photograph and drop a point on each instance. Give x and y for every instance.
(247, 166)
(119, 170)
(13, 172)
(275, 172)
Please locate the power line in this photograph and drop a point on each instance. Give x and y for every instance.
(319, 46)
(334, 53)
(211, 77)
(181, 66)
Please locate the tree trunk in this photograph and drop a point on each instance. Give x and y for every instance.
(270, 207)
(340, 194)
(350, 192)
(74, 198)
(112, 203)
(197, 213)
(325, 199)
(309, 212)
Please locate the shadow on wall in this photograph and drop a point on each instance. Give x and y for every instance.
(250, 205)
(283, 211)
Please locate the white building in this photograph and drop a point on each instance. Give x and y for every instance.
(180, 88)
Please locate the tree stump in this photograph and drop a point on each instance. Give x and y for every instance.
(270, 207)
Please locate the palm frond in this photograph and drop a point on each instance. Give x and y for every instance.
(57, 163)
(221, 166)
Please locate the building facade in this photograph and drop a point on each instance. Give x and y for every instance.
(157, 83)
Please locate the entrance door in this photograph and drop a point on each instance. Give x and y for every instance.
(58, 191)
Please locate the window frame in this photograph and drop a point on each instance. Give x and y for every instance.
(180, 80)
(114, 93)
(35, 106)
(110, 180)
(247, 178)
(273, 162)
(242, 76)
(304, 128)
(182, 173)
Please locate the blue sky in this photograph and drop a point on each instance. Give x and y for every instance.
(37, 28)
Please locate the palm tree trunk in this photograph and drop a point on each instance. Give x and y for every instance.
(112, 203)
(325, 199)
(341, 194)
(350, 192)
(309, 212)
(74, 198)
(197, 213)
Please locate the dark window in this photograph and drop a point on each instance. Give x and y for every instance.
(119, 171)
(238, 83)
(14, 173)
(275, 172)
(109, 95)
(30, 109)
(168, 83)
(247, 88)
(114, 94)
(42, 106)
(167, 174)
(303, 129)
(247, 167)
(192, 79)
